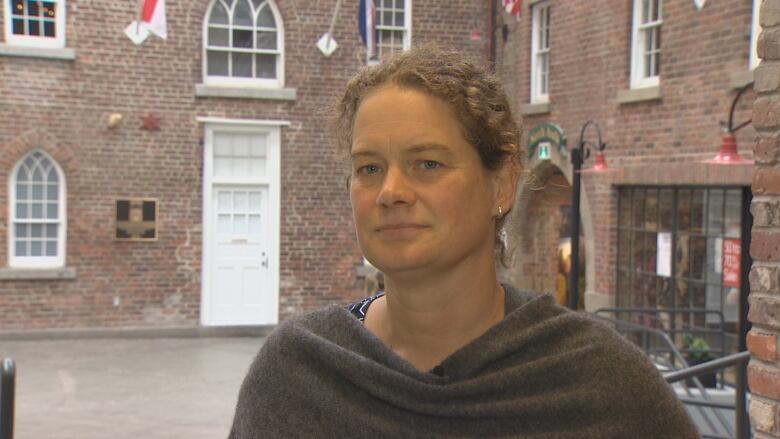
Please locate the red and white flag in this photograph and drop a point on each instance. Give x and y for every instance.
(152, 20)
(153, 17)
(512, 6)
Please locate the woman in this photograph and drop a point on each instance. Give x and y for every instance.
(448, 351)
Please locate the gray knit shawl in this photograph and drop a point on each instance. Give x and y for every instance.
(542, 372)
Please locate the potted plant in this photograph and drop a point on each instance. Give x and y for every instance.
(698, 351)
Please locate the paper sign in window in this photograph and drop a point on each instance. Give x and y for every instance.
(732, 250)
(664, 254)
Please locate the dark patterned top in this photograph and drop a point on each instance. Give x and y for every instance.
(359, 309)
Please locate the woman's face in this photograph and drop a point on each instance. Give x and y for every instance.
(420, 196)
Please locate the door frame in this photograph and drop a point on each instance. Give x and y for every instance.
(272, 128)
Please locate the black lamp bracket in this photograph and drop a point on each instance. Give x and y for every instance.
(730, 127)
(585, 145)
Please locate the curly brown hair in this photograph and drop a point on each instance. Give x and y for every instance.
(476, 96)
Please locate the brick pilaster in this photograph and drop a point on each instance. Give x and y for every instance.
(764, 370)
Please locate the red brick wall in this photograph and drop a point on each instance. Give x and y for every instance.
(763, 371)
(62, 106)
(652, 142)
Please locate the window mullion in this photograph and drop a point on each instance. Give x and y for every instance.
(254, 43)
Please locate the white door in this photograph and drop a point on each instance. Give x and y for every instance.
(240, 288)
(241, 226)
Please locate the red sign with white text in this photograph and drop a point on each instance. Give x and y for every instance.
(731, 262)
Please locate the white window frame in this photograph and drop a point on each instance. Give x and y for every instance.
(37, 261)
(755, 31)
(56, 42)
(229, 81)
(540, 93)
(406, 29)
(638, 49)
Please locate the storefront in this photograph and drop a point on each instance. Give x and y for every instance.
(682, 249)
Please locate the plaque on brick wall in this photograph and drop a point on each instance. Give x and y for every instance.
(135, 219)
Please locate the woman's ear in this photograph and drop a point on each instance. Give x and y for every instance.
(506, 179)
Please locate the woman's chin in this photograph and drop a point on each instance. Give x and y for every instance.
(398, 264)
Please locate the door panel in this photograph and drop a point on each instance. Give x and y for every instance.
(240, 290)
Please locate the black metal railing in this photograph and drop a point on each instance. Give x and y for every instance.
(7, 389)
(662, 350)
(669, 321)
(740, 360)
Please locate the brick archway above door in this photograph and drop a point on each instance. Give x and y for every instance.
(536, 172)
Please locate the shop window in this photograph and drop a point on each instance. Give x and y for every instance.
(680, 248)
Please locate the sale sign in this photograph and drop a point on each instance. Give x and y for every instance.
(731, 262)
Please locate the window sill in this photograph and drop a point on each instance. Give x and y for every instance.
(639, 95)
(37, 52)
(533, 109)
(9, 273)
(740, 79)
(214, 91)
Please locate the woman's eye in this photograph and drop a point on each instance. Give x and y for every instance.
(368, 170)
(430, 164)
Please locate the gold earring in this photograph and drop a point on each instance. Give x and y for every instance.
(499, 211)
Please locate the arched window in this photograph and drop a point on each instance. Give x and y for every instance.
(37, 194)
(244, 44)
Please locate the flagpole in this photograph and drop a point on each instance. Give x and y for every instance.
(140, 16)
(333, 22)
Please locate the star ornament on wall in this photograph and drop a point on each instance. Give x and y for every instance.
(150, 122)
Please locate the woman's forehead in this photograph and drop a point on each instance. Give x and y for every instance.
(394, 113)
(413, 148)
(389, 96)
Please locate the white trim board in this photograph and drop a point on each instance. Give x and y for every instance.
(245, 122)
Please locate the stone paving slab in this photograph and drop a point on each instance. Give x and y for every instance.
(128, 388)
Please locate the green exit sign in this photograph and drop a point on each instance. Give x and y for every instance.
(544, 151)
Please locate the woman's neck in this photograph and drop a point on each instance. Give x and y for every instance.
(424, 321)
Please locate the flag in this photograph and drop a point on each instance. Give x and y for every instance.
(152, 15)
(512, 6)
(367, 26)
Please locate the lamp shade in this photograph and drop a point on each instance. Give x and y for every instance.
(600, 165)
(728, 154)
(601, 162)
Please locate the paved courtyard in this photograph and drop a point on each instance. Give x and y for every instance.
(128, 388)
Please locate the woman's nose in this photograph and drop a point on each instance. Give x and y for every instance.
(396, 189)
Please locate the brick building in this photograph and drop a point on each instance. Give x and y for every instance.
(657, 78)
(186, 181)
